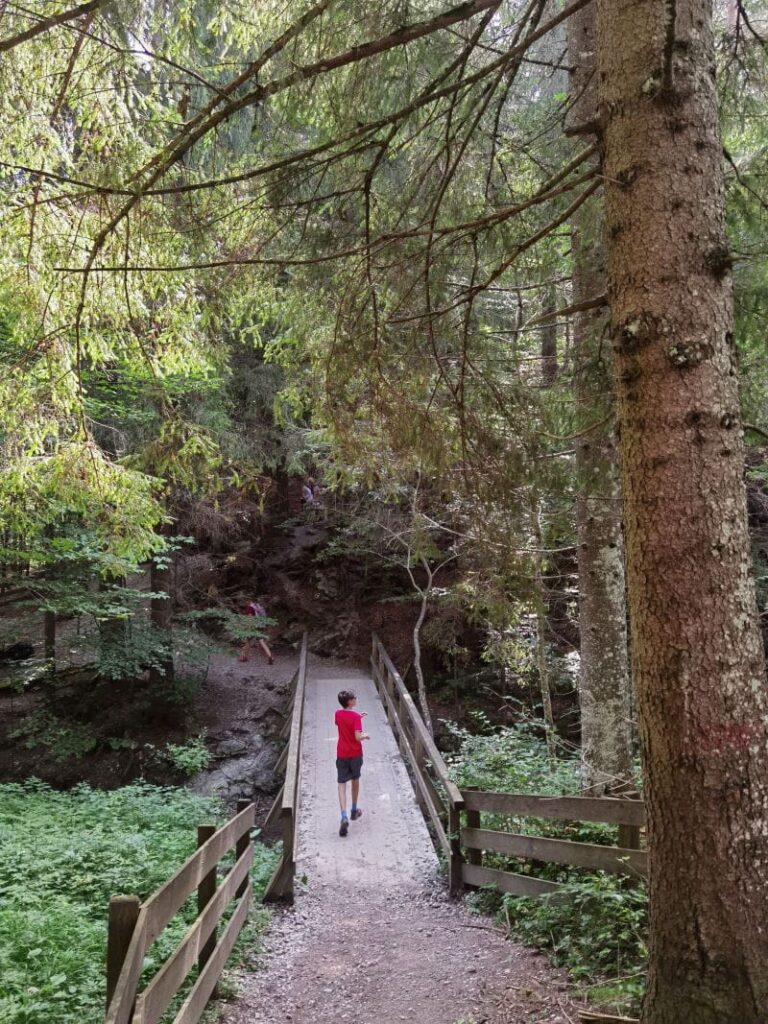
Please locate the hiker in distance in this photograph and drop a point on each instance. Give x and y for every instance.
(257, 609)
(349, 755)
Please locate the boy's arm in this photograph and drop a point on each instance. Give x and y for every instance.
(359, 734)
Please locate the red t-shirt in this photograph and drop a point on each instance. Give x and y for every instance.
(348, 722)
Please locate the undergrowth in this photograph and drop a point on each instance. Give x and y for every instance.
(596, 925)
(62, 855)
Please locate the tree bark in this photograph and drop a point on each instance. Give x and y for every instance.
(697, 660)
(542, 662)
(422, 686)
(604, 684)
(161, 615)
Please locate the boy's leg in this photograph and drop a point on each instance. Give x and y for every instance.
(265, 649)
(356, 812)
(344, 824)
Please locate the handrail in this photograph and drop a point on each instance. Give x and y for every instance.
(286, 804)
(441, 769)
(419, 750)
(131, 935)
(423, 757)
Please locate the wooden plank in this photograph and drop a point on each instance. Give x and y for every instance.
(121, 1008)
(434, 755)
(197, 1000)
(158, 994)
(123, 915)
(282, 760)
(507, 881)
(610, 810)
(274, 811)
(280, 883)
(559, 851)
(456, 859)
(242, 844)
(424, 786)
(294, 741)
(166, 902)
(206, 890)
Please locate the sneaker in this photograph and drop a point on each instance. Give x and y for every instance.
(357, 813)
(343, 827)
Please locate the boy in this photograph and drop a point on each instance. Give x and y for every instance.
(349, 755)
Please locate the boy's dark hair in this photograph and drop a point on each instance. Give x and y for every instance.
(345, 696)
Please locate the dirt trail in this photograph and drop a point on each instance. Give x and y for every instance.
(372, 937)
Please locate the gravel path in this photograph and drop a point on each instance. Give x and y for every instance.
(372, 937)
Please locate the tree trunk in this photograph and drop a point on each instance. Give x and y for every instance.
(604, 684)
(698, 664)
(549, 368)
(542, 662)
(417, 661)
(161, 615)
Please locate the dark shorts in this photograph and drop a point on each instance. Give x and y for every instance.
(348, 768)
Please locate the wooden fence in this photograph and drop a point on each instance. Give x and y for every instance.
(286, 805)
(629, 815)
(464, 846)
(439, 797)
(133, 927)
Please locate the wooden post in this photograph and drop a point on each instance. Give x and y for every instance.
(205, 892)
(473, 821)
(629, 837)
(242, 845)
(455, 879)
(123, 914)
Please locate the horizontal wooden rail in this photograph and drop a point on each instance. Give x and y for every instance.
(286, 807)
(558, 851)
(507, 881)
(610, 810)
(130, 938)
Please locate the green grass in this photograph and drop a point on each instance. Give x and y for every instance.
(62, 855)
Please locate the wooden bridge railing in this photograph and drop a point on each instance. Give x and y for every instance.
(133, 927)
(438, 796)
(464, 847)
(286, 805)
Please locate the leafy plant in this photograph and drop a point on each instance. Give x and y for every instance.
(595, 926)
(190, 757)
(62, 855)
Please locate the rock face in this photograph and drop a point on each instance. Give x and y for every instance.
(246, 768)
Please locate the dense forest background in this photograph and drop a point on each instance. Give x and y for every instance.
(414, 319)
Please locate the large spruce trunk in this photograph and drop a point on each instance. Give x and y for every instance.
(604, 681)
(697, 660)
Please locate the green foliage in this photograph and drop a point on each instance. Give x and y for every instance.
(238, 628)
(511, 760)
(64, 741)
(596, 926)
(62, 855)
(190, 757)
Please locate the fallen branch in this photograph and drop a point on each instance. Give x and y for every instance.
(589, 1017)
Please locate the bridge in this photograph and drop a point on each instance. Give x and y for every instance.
(367, 906)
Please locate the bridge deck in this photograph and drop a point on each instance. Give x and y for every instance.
(390, 843)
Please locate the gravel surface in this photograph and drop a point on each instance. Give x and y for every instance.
(372, 937)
